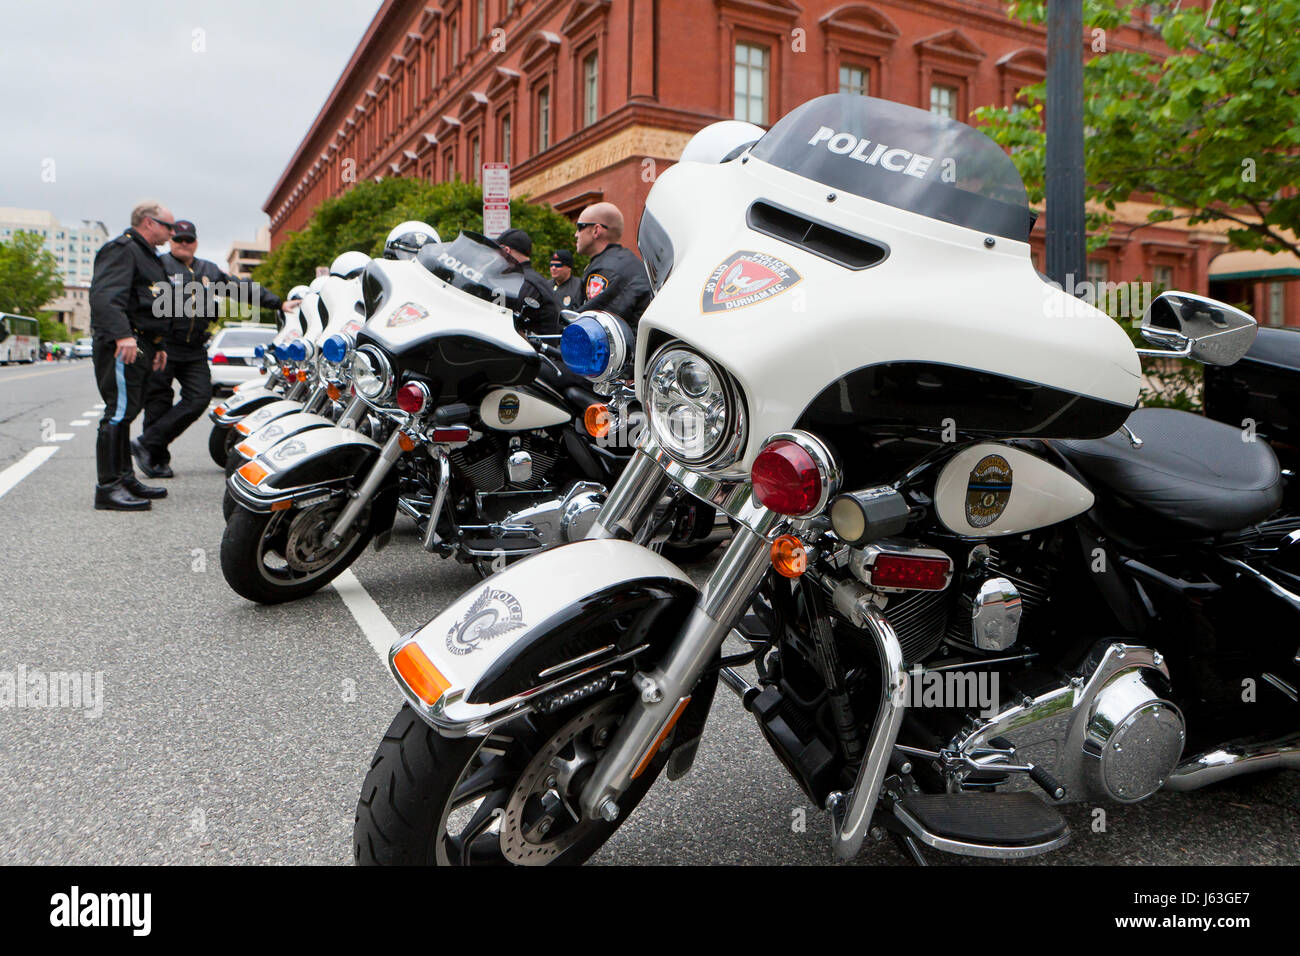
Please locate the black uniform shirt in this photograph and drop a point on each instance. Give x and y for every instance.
(544, 317)
(616, 281)
(568, 294)
(197, 286)
(128, 279)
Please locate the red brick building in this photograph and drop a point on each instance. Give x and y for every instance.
(590, 99)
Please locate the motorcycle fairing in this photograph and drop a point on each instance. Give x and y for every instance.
(267, 413)
(552, 607)
(945, 295)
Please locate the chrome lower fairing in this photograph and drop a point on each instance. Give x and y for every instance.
(497, 645)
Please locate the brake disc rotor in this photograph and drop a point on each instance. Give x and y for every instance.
(303, 548)
(549, 786)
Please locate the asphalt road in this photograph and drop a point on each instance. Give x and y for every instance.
(234, 733)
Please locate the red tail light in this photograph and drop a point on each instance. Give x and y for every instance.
(794, 475)
(412, 398)
(220, 359)
(450, 434)
(911, 572)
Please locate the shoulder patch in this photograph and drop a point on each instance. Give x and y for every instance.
(596, 284)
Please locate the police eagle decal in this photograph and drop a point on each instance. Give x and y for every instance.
(493, 613)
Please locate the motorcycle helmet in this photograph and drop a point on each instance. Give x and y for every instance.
(297, 292)
(317, 283)
(349, 265)
(405, 239)
(719, 142)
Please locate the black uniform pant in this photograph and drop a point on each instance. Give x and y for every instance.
(122, 388)
(163, 421)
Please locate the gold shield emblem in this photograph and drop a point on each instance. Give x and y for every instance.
(988, 489)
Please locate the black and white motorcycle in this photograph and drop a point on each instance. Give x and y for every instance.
(937, 476)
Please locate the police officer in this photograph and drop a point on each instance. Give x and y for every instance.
(565, 286)
(128, 335)
(195, 285)
(542, 318)
(616, 279)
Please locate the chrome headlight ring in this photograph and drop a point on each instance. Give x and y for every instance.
(372, 374)
(695, 409)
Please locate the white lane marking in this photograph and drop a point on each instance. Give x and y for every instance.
(24, 466)
(99, 407)
(61, 436)
(378, 629)
(78, 422)
(47, 371)
(93, 413)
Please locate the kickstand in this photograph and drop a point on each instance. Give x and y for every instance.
(914, 848)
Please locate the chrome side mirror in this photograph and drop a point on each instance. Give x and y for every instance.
(1192, 326)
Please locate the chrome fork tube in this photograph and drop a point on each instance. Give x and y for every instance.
(631, 500)
(316, 400)
(387, 458)
(851, 815)
(439, 454)
(295, 393)
(726, 594)
(351, 417)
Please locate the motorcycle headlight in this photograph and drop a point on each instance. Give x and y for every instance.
(372, 374)
(695, 411)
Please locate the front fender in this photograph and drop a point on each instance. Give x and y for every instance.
(266, 414)
(302, 466)
(262, 440)
(545, 627)
(241, 404)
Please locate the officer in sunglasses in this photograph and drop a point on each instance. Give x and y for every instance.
(129, 283)
(196, 284)
(616, 279)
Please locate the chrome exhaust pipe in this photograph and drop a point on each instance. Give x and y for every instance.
(1233, 760)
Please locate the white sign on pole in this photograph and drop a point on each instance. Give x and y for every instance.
(496, 198)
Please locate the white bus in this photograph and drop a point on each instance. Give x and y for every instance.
(20, 338)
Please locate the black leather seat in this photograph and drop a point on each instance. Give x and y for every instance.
(1196, 474)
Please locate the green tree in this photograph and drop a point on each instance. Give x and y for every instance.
(361, 218)
(1208, 132)
(29, 275)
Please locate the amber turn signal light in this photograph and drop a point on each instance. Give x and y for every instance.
(253, 473)
(789, 557)
(425, 680)
(597, 420)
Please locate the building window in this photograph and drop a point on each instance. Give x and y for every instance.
(590, 89)
(943, 100)
(1164, 278)
(1276, 303)
(454, 27)
(476, 159)
(543, 119)
(751, 83)
(431, 54)
(505, 139)
(853, 79)
(1098, 274)
(480, 21)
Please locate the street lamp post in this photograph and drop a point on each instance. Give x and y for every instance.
(1066, 234)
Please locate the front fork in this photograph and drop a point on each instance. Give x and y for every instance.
(388, 456)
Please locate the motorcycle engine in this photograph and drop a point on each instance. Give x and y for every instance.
(483, 462)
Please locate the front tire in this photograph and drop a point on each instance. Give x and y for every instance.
(220, 441)
(430, 800)
(278, 556)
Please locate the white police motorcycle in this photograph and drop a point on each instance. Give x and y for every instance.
(922, 445)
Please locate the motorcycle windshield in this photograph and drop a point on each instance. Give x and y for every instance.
(903, 157)
(475, 264)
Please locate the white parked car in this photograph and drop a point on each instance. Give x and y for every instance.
(84, 348)
(230, 353)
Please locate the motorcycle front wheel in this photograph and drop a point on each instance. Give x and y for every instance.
(220, 441)
(510, 798)
(280, 556)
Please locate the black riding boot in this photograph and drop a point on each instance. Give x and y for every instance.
(129, 481)
(110, 492)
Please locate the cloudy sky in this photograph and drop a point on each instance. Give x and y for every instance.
(199, 103)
